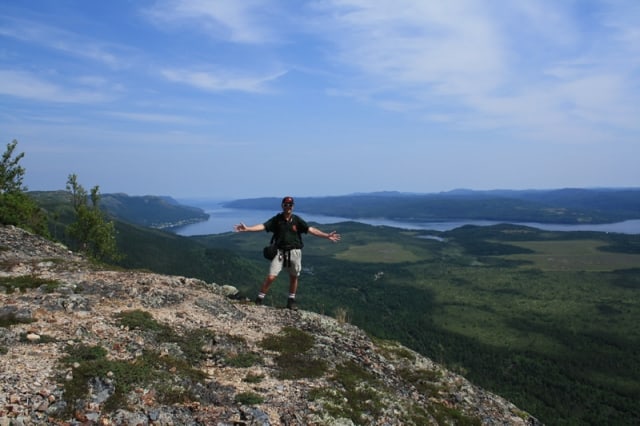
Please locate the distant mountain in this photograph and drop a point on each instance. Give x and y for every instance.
(569, 205)
(150, 210)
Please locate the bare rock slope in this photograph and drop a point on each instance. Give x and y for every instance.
(80, 345)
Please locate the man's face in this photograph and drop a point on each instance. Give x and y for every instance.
(287, 207)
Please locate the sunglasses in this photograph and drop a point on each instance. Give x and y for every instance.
(287, 204)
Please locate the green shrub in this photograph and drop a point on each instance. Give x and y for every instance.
(190, 342)
(10, 319)
(25, 282)
(357, 393)
(293, 361)
(173, 379)
(425, 381)
(243, 360)
(83, 353)
(43, 338)
(249, 398)
(253, 378)
(299, 366)
(142, 320)
(291, 340)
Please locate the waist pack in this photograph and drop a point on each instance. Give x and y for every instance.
(270, 251)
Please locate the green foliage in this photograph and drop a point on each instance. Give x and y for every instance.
(621, 244)
(83, 353)
(393, 349)
(249, 398)
(142, 320)
(425, 381)
(190, 342)
(292, 340)
(172, 378)
(448, 415)
(509, 321)
(357, 393)
(11, 172)
(552, 206)
(16, 207)
(10, 319)
(93, 235)
(560, 343)
(23, 283)
(155, 250)
(243, 360)
(253, 378)
(150, 211)
(294, 362)
(43, 338)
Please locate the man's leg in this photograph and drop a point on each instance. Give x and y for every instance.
(293, 288)
(274, 269)
(293, 284)
(265, 288)
(295, 268)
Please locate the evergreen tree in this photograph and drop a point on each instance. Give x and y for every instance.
(16, 207)
(94, 235)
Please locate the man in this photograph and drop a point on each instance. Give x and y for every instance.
(287, 229)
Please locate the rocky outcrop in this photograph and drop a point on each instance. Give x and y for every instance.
(81, 345)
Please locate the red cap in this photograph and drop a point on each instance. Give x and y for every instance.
(288, 200)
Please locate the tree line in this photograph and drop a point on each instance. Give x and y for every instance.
(90, 232)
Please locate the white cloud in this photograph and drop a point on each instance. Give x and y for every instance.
(222, 80)
(235, 21)
(61, 40)
(27, 85)
(537, 68)
(153, 118)
(435, 45)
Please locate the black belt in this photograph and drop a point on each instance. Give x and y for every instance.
(286, 257)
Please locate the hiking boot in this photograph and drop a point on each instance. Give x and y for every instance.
(259, 300)
(291, 304)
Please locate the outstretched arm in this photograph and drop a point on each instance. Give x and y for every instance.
(241, 227)
(333, 235)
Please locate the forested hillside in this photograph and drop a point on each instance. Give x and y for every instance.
(149, 210)
(568, 206)
(545, 318)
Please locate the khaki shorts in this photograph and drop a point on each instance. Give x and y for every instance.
(295, 267)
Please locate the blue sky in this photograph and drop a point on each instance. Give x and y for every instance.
(233, 99)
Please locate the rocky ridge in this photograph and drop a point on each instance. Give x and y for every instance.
(250, 365)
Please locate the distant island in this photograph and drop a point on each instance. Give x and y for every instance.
(560, 206)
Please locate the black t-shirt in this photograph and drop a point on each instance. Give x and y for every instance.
(288, 233)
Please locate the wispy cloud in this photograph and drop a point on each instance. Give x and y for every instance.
(471, 58)
(438, 46)
(244, 21)
(64, 41)
(153, 117)
(27, 85)
(222, 80)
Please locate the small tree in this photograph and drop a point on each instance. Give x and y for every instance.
(11, 173)
(16, 207)
(95, 236)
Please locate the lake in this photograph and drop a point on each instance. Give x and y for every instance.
(222, 219)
